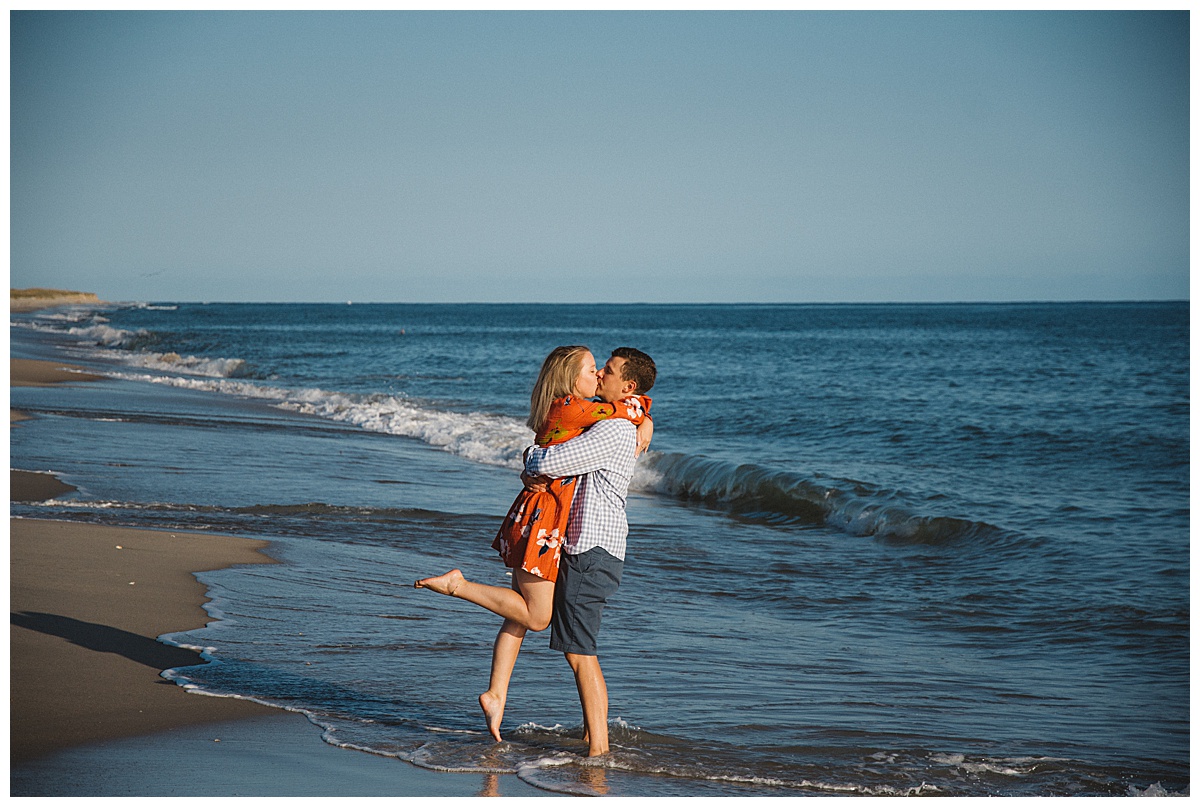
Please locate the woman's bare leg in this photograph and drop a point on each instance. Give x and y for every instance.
(504, 658)
(530, 607)
(504, 655)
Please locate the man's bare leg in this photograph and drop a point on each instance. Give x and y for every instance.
(593, 696)
(530, 607)
(504, 658)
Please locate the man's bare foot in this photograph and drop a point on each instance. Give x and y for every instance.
(446, 583)
(493, 712)
(594, 750)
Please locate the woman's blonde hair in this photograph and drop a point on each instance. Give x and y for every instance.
(557, 379)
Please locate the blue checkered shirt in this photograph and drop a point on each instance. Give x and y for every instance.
(602, 458)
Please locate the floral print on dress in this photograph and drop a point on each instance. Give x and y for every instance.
(544, 515)
(548, 541)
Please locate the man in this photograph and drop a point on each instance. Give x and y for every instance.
(594, 550)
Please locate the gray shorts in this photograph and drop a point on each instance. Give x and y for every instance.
(585, 581)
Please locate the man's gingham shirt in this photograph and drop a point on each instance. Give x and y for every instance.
(602, 458)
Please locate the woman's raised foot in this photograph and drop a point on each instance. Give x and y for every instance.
(446, 583)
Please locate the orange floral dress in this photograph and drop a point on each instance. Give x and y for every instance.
(532, 534)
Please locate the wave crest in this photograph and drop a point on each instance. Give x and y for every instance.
(785, 497)
(478, 436)
(133, 348)
(194, 365)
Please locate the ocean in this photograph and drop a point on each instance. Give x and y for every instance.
(874, 549)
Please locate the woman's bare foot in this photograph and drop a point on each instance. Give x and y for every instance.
(493, 711)
(446, 583)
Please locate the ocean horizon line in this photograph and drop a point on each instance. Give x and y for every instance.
(741, 304)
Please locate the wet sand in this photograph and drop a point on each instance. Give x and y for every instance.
(36, 373)
(280, 754)
(87, 603)
(34, 486)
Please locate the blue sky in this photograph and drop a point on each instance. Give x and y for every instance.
(622, 157)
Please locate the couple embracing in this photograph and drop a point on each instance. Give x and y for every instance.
(564, 537)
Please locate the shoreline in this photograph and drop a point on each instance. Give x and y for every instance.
(87, 605)
(41, 373)
(90, 714)
(35, 486)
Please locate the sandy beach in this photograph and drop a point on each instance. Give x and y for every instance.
(36, 373)
(87, 604)
(74, 610)
(90, 714)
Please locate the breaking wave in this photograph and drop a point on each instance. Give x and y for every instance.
(130, 347)
(787, 497)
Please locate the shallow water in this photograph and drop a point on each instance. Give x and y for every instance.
(876, 549)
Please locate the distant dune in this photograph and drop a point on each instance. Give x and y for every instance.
(33, 299)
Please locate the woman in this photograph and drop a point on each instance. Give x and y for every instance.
(529, 541)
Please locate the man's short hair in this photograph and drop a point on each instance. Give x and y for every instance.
(639, 368)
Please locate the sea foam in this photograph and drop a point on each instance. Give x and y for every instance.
(478, 436)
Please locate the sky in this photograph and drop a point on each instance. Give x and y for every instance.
(795, 156)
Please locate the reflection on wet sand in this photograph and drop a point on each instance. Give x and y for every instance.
(595, 778)
(491, 785)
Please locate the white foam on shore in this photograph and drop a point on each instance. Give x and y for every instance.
(488, 439)
(1008, 766)
(1156, 790)
(478, 436)
(481, 437)
(118, 345)
(97, 333)
(173, 362)
(67, 315)
(102, 334)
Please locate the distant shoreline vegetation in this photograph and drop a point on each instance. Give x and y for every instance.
(33, 299)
